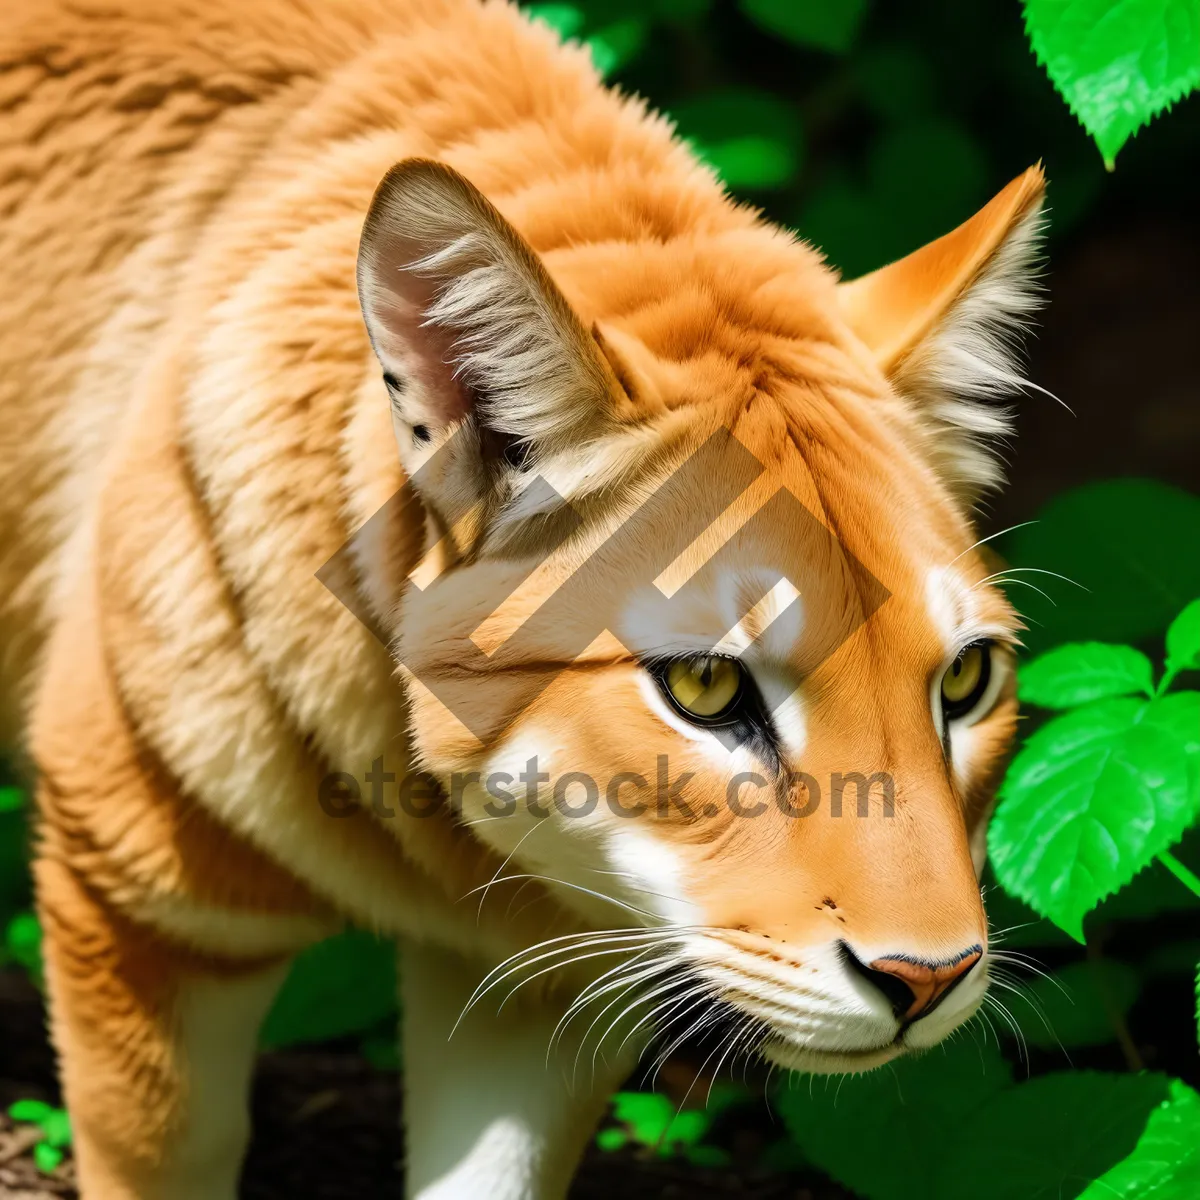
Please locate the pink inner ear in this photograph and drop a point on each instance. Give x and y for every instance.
(421, 354)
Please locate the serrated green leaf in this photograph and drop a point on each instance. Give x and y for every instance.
(30, 1110)
(1117, 63)
(1183, 640)
(1048, 1139)
(1152, 891)
(1081, 672)
(1091, 798)
(1165, 1163)
(905, 1114)
(1128, 543)
(814, 24)
(1072, 1007)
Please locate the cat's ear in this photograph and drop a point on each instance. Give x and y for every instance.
(476, 342)
(946, 324)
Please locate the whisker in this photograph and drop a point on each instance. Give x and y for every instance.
(578, 887)
(990, 537)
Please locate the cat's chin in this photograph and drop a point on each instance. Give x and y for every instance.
(793, 1057)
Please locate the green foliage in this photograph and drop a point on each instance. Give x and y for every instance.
(1183, 643)
(1127, 548)
(1084, 671)
(953, 1117)
(818, 24)
(1165, 1163)
(1095, 793)
(344, 985)
(1076, 1006)
(750, 137)
(901, 1112)
(1117, 63)
(657, 1125)
(54, 1126)
(23, 943)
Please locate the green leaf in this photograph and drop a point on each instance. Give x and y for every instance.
(1175, 958)
(1014, 921)
(752, 163)
(565, 19)
(1091, 798)
(1129, 542)
(611, 1139)
(830, 25)
(1081, 672)
(708, 1157)
(904, 1113)
(1153, 891)
(1183, 640)
(23, 941)
(1198, 1002)
(1165, 1163)
(381, 1050)
(651, 1120)
(46, 1157)
(751, 138)
(56, 1126)
(1072, 1007)
(616, 45)
(1049, 1138)
(344, 985)
(1117, 63)
(862, 225)
(30, 1110)
(12, 799)
(895, 81)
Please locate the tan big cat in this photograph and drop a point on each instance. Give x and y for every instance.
(645, 547)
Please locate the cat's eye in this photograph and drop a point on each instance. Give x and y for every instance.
(705, 688)
(966, 680)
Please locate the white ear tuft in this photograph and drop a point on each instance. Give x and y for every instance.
(465, 319)
(946, 326)
(960, 374)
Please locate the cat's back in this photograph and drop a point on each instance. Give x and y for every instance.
(125, 128)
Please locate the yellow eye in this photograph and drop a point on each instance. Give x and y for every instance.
(966, 680)
(706, 687)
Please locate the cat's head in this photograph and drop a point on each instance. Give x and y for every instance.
(705, 642)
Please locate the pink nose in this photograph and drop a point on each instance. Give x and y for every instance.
(917, 987)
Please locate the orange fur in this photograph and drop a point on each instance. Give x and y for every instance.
(193, 424)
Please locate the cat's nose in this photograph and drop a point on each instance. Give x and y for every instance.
(913, 986)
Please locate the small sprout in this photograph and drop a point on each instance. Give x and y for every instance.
(54, 1126)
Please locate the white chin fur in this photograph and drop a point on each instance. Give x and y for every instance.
(794, 1057)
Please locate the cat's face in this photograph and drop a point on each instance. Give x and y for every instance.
(722, 668)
